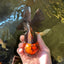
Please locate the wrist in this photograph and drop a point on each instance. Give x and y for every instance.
(45, 58)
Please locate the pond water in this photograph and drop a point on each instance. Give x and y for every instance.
(11, 15)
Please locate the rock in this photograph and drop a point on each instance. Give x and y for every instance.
(4, 33)
(10, 42)
(55, 41)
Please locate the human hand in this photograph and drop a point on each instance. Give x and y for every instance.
(41, 57)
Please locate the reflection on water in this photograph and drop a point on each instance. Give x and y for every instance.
(14, 15)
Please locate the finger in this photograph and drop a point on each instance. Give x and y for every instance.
(22, 38)
(20, 51)
(21, 45)
(41, 42)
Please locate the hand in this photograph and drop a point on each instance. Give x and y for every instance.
(41, 57)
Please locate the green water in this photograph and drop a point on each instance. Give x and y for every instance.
(53, 13)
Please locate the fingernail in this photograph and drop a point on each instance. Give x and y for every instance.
(20, 50)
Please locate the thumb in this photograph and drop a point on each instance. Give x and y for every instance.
(41, 42)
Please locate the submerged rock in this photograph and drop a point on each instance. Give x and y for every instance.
(6, 8)
(5, 35)
(6, 45)
(55, 41)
